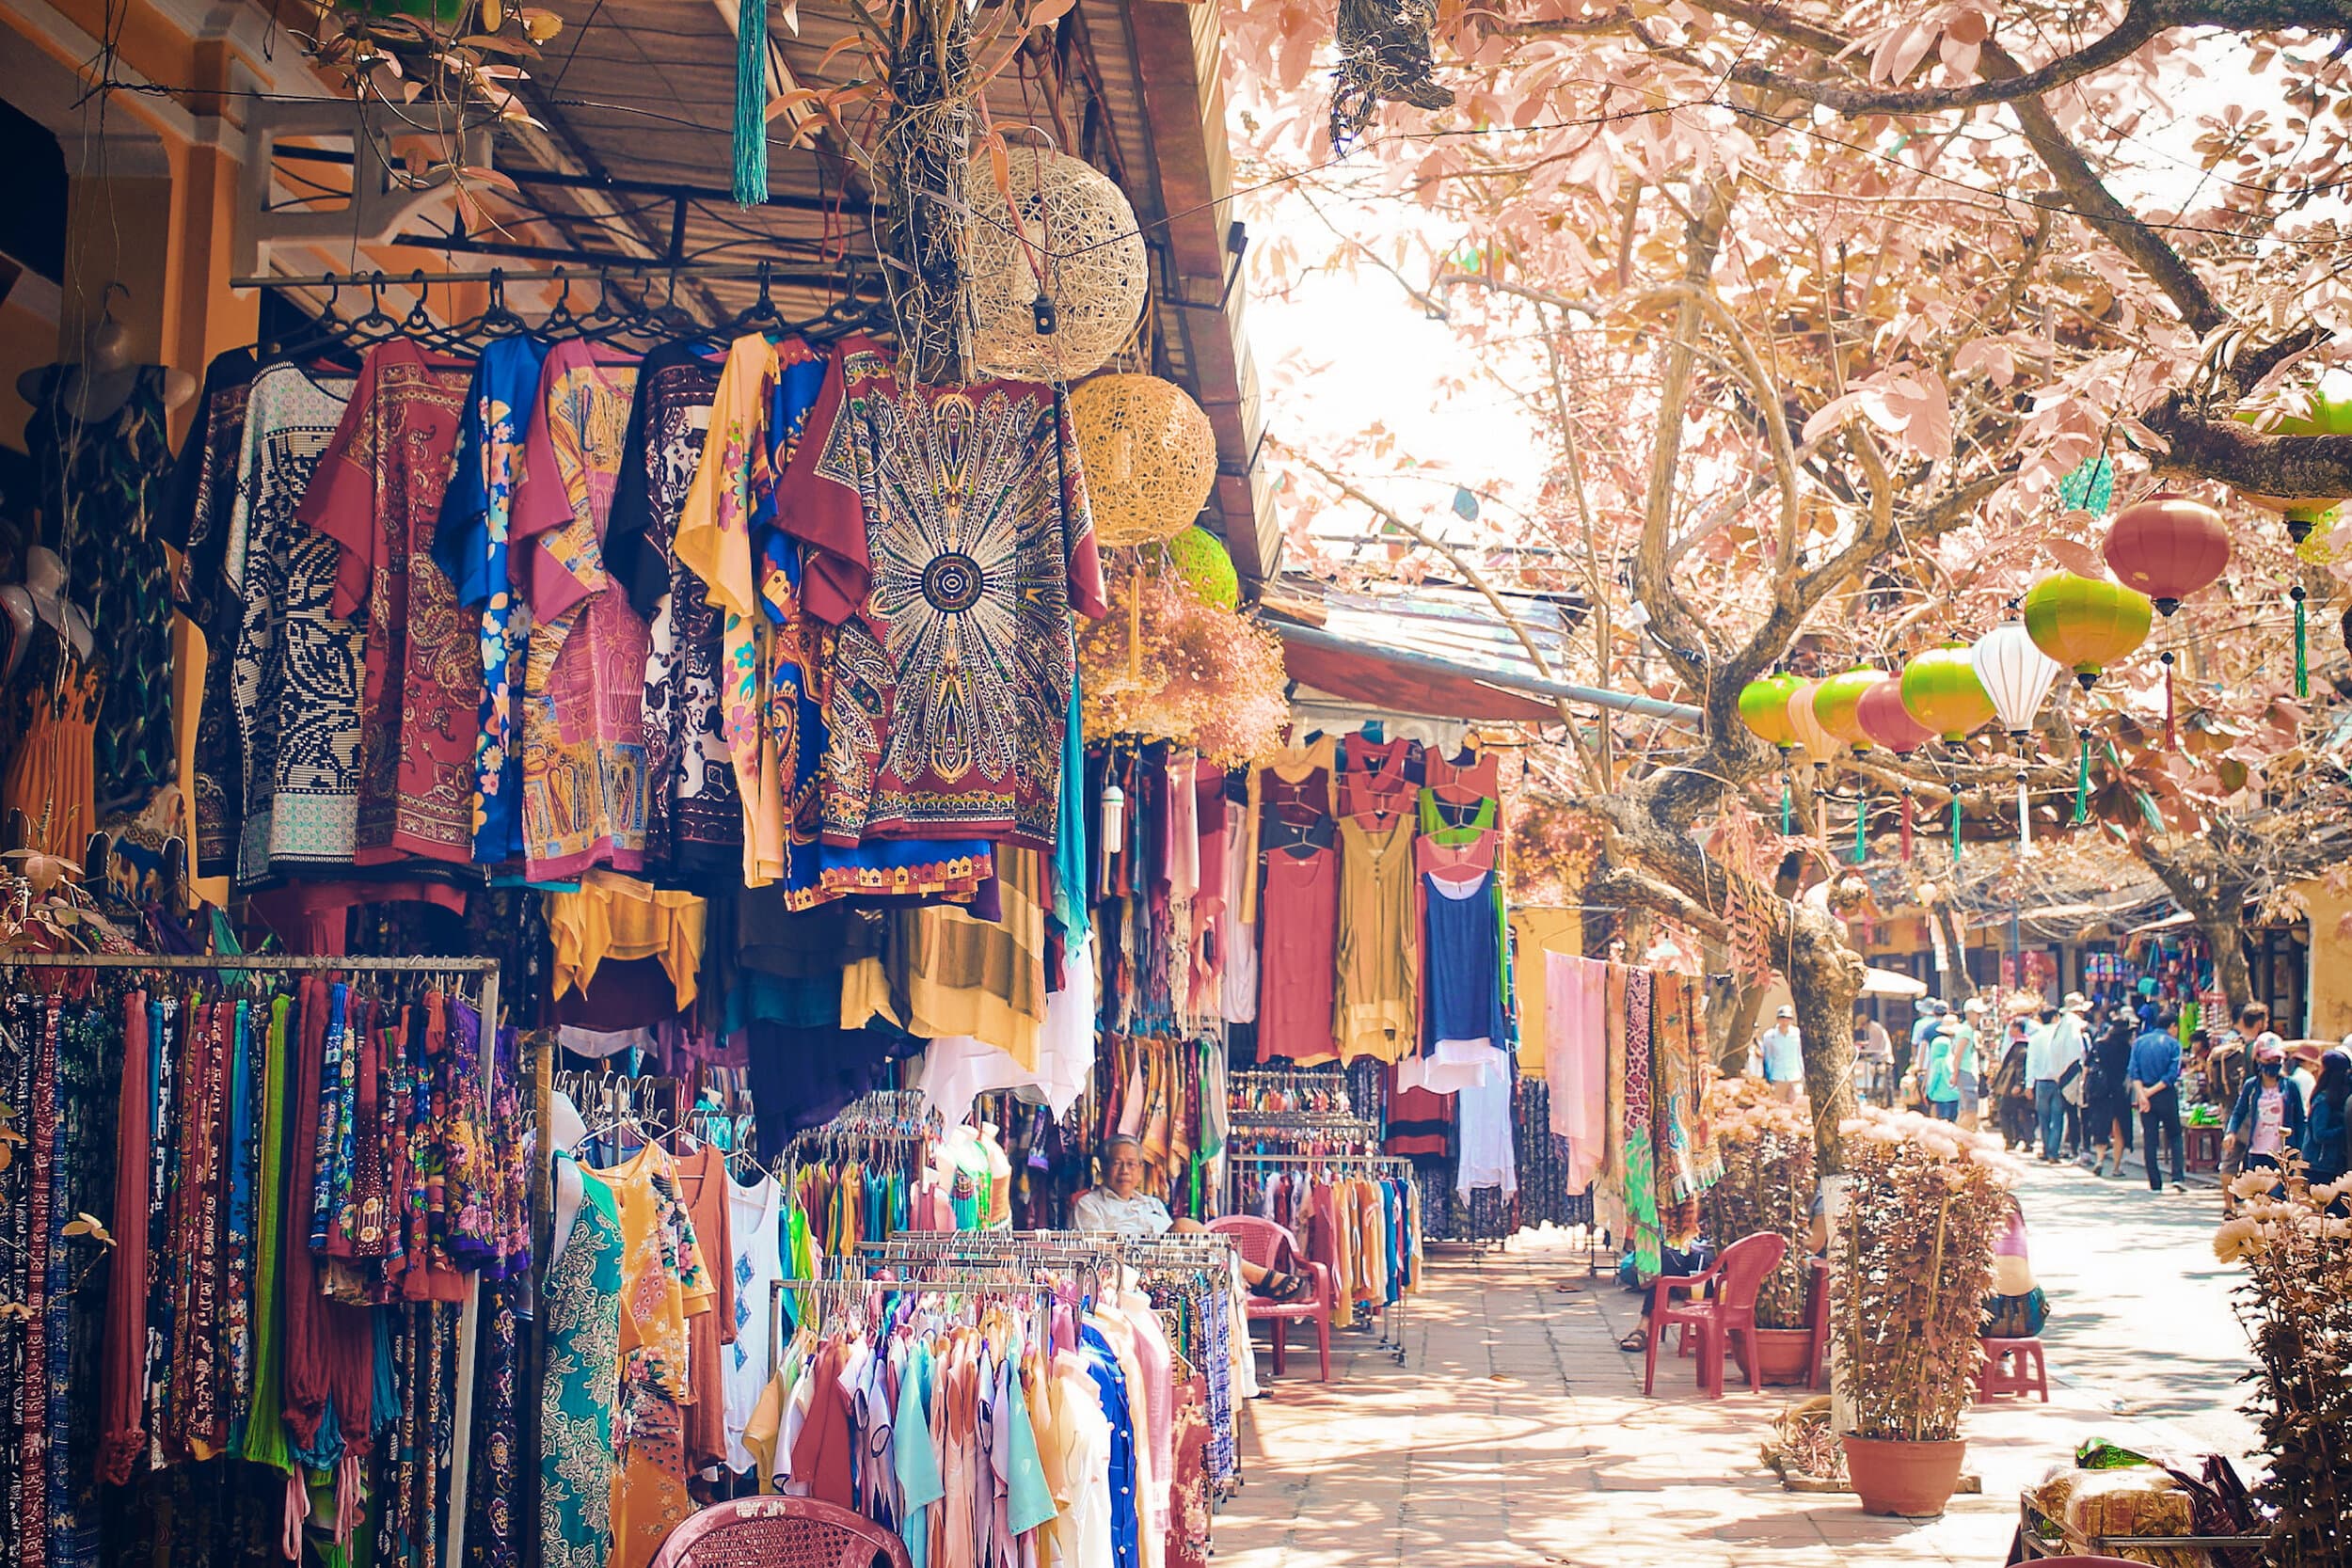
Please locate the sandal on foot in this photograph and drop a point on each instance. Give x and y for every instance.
(1637, 1340)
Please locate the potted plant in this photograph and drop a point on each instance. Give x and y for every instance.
(1910, 1259)
(1767, 1185)
(2296, 1300)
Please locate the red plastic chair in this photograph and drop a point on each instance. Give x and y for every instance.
(1734, 1282)
(780, 1532)
(1270, 1247)
(1817, 1318)
(2012, 1367)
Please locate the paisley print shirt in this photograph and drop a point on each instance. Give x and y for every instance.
(951, 540)
(378, 496)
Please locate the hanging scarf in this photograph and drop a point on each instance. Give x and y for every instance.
(1641, 1168)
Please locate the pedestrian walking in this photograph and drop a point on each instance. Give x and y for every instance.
(2329, 1148)
(2268, 1119)
(1940, 1084)
(2155, 1086)
(2107, 1106)
(1782, 1049)
(2231, 1051)
(1969, 1054)
(1874, 1057)
(2054, 1060)
(2012, 1091)
(2303, 1067)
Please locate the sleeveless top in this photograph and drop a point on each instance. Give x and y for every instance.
(1377, 1009)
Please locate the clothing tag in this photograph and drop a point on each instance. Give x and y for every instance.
(698, 417)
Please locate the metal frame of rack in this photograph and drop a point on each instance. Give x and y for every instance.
(1395, 1316)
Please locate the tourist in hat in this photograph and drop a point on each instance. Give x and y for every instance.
(1941, 1081)
(2303, 1067)
(1782, 1049)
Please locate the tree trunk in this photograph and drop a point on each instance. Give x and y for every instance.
(2195, 875)
(1825, 978)
(1731, 1043)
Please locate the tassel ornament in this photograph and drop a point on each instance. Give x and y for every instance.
(751, 102)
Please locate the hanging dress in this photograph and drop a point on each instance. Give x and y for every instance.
(295, 681)
(104, 485)
(580, 1312)
(1299, 919)
(472, 546)
(196, 524)
(693, 821)
(951, 539)
(378, 495)
(584, 679)
(1378, 1004)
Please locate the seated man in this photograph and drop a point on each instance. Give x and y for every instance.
(1124, 1209)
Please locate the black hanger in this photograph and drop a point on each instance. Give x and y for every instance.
(762, 314)
(558, 321)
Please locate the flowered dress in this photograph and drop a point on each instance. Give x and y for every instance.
(581, 1307)
(471, 547)
(664, 1280)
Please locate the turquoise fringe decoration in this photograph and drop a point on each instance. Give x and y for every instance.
(2302, 656)
(1861, 826)
(751, 103)
(1787, 808)
(1955, 827)
(2082, 783)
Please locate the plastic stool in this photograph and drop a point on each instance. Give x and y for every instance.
(2012, 1367)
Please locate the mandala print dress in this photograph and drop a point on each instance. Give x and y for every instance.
(102, 488)
(583, 685)
(950, 539)
(295, 680)
(581, 1312)
(378, 495)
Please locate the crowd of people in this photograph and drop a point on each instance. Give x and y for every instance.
(2085, 1081)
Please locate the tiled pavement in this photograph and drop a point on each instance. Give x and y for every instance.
(1516, 1433)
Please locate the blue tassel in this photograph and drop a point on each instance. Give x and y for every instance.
(751, 103)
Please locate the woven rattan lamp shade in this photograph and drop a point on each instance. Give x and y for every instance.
(1149, 456)
(1069, 233)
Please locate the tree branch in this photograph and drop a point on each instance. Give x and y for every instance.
(1768, 398)
(2087, 198)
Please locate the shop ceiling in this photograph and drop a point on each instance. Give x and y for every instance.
(636, 97)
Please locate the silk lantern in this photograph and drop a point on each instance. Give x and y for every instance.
(2330, 414)
(1764, 708)
(1838, 701)
(2086, 623)
(1941, 689)
(2167, 546)
(1200, 558)
(1887, 722)
(1812, 735)
(2017, 676)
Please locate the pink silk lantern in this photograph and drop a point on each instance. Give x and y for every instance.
(1887, 722)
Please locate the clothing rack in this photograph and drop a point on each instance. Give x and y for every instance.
(830, 1293)
(1000, 1248)
(1328, 1085)
(1393, 1315)
(469, 1313)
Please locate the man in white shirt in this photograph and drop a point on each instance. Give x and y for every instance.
(2050, 1050)
(1122, 1206)
(1783, 1049)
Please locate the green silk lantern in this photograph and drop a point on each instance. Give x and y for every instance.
(1201, 559)
(1941, 689)
(1837, 703)
(1764, 708)
(2086, 623)
(2330, 414)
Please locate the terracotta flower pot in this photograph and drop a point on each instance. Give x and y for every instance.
(1911, 1479)
(1786, 1353)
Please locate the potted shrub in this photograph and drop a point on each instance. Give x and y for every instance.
(1767, 1185)
(1911, 1260)
(2296, 1302)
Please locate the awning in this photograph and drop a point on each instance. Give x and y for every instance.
(1363, 671)
(1889, 982)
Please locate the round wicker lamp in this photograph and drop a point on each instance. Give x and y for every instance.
(1149, 454)
(1067, 237)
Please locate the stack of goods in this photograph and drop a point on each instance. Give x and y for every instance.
(2116, 1504)
(1627, 1066)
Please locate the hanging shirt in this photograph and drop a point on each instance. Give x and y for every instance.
(1300, 926)
(757, 1213)
(584, 682)
(1378, 1010)
(471, 548)
(294, 680)
(950, 539)
(693, 819)
(378, 495)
